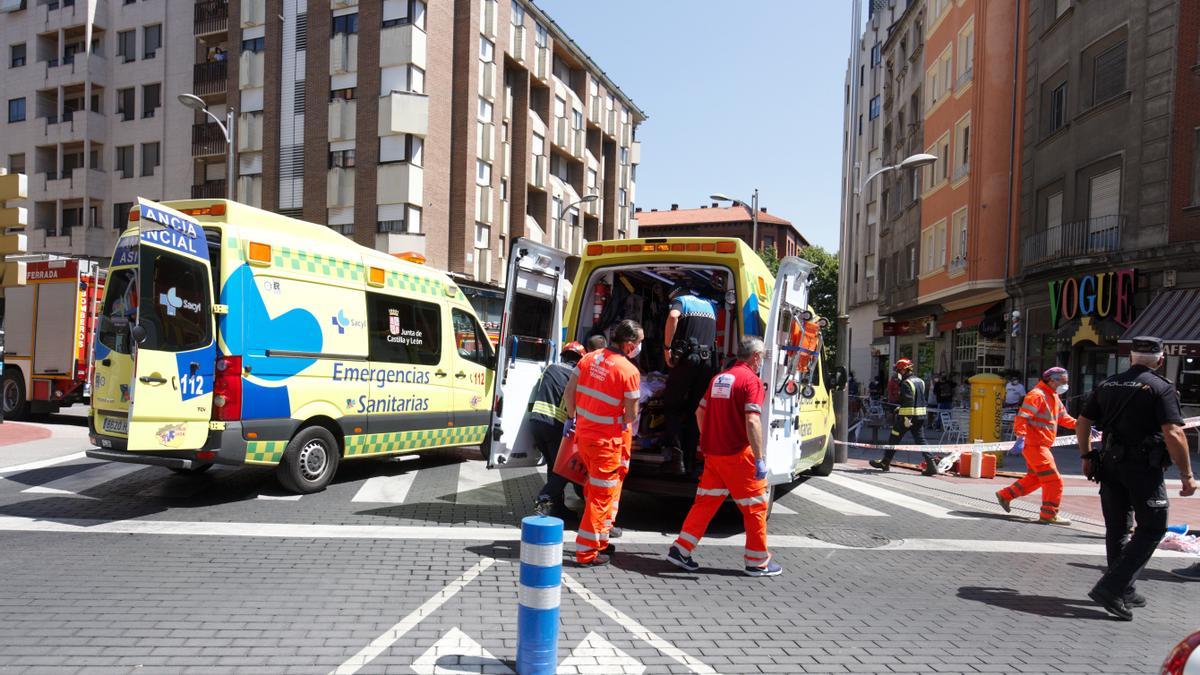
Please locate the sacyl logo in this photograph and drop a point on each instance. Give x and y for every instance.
(342, 322)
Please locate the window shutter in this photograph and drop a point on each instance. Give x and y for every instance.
(1054, 210)
(1109, 74)
(1105, 197)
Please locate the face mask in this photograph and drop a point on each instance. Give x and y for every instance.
(1062, 389)
(636, 350)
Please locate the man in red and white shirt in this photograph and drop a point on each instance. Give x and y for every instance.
(731, 441)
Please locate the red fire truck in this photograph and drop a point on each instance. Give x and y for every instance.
(48, 326)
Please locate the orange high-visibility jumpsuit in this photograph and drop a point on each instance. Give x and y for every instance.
(606, 380)
(1037, 421)
(729, 464)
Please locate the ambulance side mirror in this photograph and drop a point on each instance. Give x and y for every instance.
(839, 378)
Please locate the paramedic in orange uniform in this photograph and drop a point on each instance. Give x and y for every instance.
(734, 466)
(1036, 427)
(602, 397)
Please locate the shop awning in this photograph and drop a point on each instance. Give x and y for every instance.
(1173, 317)
(969, 316)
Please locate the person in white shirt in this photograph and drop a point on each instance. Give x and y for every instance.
(1014, 392)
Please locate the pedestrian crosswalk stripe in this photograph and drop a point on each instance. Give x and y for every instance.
(457, 652)
(894, 498)
(86, 479)
(828, 500)
(597, 655)
(386, 489)
(779, 509)
(478, 484)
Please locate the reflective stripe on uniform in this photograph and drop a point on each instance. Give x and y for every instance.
(599, 395)
(1042, 425)
(1047, 472)
(753, 407)
(600, 482)
(556, 412)
(584, 534)
(911, 412)
(1025, 407)
(633, 395)
(711, 492)
(756, 556)
(598, 419)
(757, 499)
(689, 538)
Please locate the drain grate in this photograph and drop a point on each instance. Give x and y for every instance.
(852, 538)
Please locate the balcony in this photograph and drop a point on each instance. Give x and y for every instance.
(964, 79)
(402, 44)
(254, 13)
(339, 187)
(343, 54)
(210, 16)
(250, 69)
(958, 266)
(961, 170)
(210, 78)
(207, 140)
(561, 136)
(343, 117)
(1082, 238)
(211, 189)
(402, 112)
(250, 132)
(250, 190)
(537, 173)
(400, 183)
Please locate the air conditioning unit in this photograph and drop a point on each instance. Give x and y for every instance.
(931, 330)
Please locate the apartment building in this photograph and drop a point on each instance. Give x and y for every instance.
(714, 220)
(1109, 214)
(966, 195)
(443, 129)
(862, 156)
(89, 111)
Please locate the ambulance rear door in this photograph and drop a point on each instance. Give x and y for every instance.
(530, 339)
(783, 403)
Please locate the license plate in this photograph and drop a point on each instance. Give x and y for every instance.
(116, 425)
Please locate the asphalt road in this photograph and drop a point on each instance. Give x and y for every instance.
(410, 566)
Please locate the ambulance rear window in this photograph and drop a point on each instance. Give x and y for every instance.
(175, 309)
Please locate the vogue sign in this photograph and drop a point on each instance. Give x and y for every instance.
(1108, 295)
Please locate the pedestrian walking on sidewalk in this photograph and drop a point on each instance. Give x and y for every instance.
(734, 466)
(1036, 427)
(910, 418)
(1138, 410)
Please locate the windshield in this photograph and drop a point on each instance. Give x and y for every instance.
(120, 310)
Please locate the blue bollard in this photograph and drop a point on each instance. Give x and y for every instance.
(539, 595)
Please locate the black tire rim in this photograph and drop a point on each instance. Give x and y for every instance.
(313, 460)
(12, 395)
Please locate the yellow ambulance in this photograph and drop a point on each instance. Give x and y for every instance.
(233, 335)
(632, 279)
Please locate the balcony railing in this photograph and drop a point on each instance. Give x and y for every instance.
(209, 78)
(1070, 240)
(964, 78)
(211, 16)
(961, 170)
(957, 265)
(207, 140)
(213, 189)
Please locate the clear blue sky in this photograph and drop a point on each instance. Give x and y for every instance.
(740, 95)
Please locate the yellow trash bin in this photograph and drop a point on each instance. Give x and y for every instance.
(987, 406)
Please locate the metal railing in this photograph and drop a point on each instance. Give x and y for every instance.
(958, 264)
(212, 189)
(1069, 240)
(211, 16)
(210, 77)
(962, 170)
(207, 140)
(964, 78)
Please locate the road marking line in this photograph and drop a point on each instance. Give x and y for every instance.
(87, 478)
(391, 635)
(479, 485)
(386, 489)
(595, 654)
(42, 490)
(896, 498)
(778, 507)
(510, 534)
(280, 498)
(42, 463)
(828, 500)
(457, 652)
(628, 623)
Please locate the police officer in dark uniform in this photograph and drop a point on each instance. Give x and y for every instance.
(910, 417)
(546, 417)
(689, 345)
(1138, 410)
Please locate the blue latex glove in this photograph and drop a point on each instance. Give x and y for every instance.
(1018, 446)
(760, 469)
(569, 427)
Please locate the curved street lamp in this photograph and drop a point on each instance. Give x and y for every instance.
(558, 226)
(227, 129)
(752, 209)
(910, 162)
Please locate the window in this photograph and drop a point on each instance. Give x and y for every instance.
(874, 109)
(959, 248)
(912, 262)
(1054, 211)
(503, 189)
(16, 163)
(622, 197)
(416, 80)
(124, 161)
(561, 70)
(16, 110)
(1104, 194)
(768, 242)
(399, 219)
(403, 331)
(177, 290)
(125, 103)
(1109, 74)
(487, 50)
(1057, 116)
(346, 24)
(966, 52)
(151, 40)
(346, 94)
(470, 340)
(576, 119)
(341, 159)
(121, 214)
(944, 157)
(485, 110)
(962, 146)
(151, 99)
(558, 167)
(254, 45)
(915, 178)
(127, 45)
(624, 156)
(483, 173)
(560, 106)
(518, 14)
(541, 36)
(414, 13)
(149, 158)
(401, 148)
(16, 55)
(876, 55)
(539, 145)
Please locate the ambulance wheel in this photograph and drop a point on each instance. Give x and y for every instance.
(12, 395)
(309, 462)
(808, 391)
(194, 471)
(826, 466)
(772, 494)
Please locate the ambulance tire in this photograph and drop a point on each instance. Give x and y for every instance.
(826, 466)
(309, 461)
(772, 494)
(12, 395)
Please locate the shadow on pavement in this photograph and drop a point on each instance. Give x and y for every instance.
(1041, 605)
(1148, 574)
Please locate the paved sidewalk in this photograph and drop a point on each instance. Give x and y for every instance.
(33, 443)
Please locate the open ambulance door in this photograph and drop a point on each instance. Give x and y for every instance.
(174, 348)
(783, 402)
(530, 333)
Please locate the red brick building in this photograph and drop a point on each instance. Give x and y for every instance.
(717, 221)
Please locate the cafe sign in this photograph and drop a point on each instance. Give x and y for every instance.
(1106, 295)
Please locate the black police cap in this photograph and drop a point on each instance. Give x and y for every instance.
(1145, 344)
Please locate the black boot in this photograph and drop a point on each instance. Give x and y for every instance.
(884, 464)
(930, 465)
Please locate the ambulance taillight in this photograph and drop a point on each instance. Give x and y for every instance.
(227, 389)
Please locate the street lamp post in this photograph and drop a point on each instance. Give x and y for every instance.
(910, 162)
(228, 129)
(753, 209)
(559, 218)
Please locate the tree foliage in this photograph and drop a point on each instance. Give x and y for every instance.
(823, 292)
